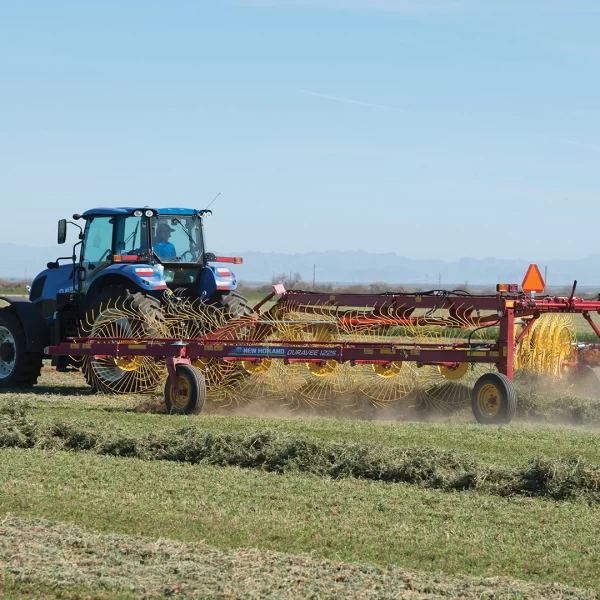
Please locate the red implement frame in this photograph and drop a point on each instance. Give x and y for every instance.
(385, 310)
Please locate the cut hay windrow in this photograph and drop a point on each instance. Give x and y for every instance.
(445, 470)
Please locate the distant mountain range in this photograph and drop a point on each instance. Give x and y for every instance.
(365, 267)
(24, 262)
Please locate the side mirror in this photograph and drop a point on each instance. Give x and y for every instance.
(62, 231)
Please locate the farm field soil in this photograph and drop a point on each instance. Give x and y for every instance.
(76, 524)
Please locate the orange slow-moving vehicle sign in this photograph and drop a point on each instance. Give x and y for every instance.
(533, 283)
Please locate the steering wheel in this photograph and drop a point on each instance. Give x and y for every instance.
(191, 256)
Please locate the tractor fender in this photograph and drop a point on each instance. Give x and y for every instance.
(216, 279)
(135, 278)
(37, 333)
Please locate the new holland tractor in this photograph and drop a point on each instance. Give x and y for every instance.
(126, 267)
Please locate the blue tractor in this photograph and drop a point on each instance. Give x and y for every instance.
(126, 266)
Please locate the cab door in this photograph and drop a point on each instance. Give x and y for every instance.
(97, 252)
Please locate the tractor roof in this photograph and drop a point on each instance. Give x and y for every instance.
(128, 210)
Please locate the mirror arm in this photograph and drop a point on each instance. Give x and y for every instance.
(74, 259)
(76, 225)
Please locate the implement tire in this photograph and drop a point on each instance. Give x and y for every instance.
(192, 391)
(18, 368)
(494, 399)
(117, 313)
(585, 382)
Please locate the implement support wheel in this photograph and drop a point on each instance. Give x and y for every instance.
(494, 399)
(192, 391)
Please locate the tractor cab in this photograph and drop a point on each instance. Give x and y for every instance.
(170, 241)
(138, 249)
(143, 235)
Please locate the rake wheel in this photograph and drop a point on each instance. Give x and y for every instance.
(193, 319)
(298, 384)
(119, 314)
(448, 387)
(548, 347)
(386, 384)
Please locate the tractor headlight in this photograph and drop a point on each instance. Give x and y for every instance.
(137, 213)
(148, 213)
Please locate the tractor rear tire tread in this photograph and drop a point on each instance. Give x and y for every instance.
(235, 304)
(28, 365)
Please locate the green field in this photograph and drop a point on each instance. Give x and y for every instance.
(103, 497)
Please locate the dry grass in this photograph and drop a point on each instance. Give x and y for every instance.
(80, 563)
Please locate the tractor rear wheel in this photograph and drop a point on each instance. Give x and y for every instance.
(18, 368)
(494, 399)
(117, 313)
(235, 305)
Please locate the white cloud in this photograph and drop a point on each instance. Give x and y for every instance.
(346, 100)
(379, 5)
(442, 6)
(577, 143)
(583, 50)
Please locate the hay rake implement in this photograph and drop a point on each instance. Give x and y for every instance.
(439, 348)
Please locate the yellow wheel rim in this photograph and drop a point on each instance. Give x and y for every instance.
(488, 400)
(390, 369)
(322, 370)
(181, 400)
(257, 367)
(132, 363)
(454, 373)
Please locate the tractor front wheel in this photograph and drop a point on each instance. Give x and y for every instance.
(18, 368)
(190, 397)
(494, 399)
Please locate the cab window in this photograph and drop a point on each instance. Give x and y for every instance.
(97, 245)
(132, 236)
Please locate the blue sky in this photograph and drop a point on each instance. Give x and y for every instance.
(434, 129)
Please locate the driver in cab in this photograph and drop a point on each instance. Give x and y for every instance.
(163, 248)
